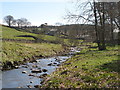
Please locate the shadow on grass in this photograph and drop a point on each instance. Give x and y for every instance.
(112, 66)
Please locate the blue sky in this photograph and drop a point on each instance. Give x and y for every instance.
(38, 13)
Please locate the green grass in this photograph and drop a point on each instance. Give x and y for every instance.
(10, 33)
(89, 69)
(12, 51)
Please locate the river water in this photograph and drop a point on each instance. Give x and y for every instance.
(23, 77)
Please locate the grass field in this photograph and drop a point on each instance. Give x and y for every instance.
(88, 69)
(13, 51)
(10, 33)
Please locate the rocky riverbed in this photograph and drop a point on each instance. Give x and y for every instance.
(30, 75)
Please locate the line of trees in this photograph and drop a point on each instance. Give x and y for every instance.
(16, 22)
(101, 14)
(106, 13)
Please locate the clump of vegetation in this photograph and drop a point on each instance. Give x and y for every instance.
(88, 69)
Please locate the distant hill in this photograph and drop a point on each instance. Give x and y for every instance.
(12, 34)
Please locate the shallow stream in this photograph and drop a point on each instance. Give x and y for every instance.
(28, 75)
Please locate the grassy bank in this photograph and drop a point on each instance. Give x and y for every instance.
(88, 69)
(12, 51)
(10, 33)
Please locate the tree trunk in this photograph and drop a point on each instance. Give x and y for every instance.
(100, 33)
(96, 24)
(112, 37)
(103, 47)
(9, 24)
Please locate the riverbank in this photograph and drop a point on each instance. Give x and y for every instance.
(14, 53)
(88, 69)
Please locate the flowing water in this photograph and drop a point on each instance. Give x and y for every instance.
(23, 77)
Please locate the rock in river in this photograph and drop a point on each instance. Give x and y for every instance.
(44, 70)
(43, 75)
(24, 71)
(34, 66)
(31, 75)
(50, 64)
(29, 86)
(36, 71)
(31, 81)
(37, 86)
(16, 67)
(54, 63)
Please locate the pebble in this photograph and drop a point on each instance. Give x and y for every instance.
(36, 71)
(29, 86)
(49, 64)
(54, 63)
(24, 71)
(30, 75)
(16, 67)
(31, 81)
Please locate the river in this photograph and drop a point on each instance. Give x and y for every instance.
(26, 77)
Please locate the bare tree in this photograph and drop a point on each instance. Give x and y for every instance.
(19, 22)
(98, 13)
(28, 23)
(14, 22)
(8, 19)
(23, 22)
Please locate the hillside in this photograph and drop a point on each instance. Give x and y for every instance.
(10, 33)
(20, 52)
(15, 35)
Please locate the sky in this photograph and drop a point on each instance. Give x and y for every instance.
(37, 12)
